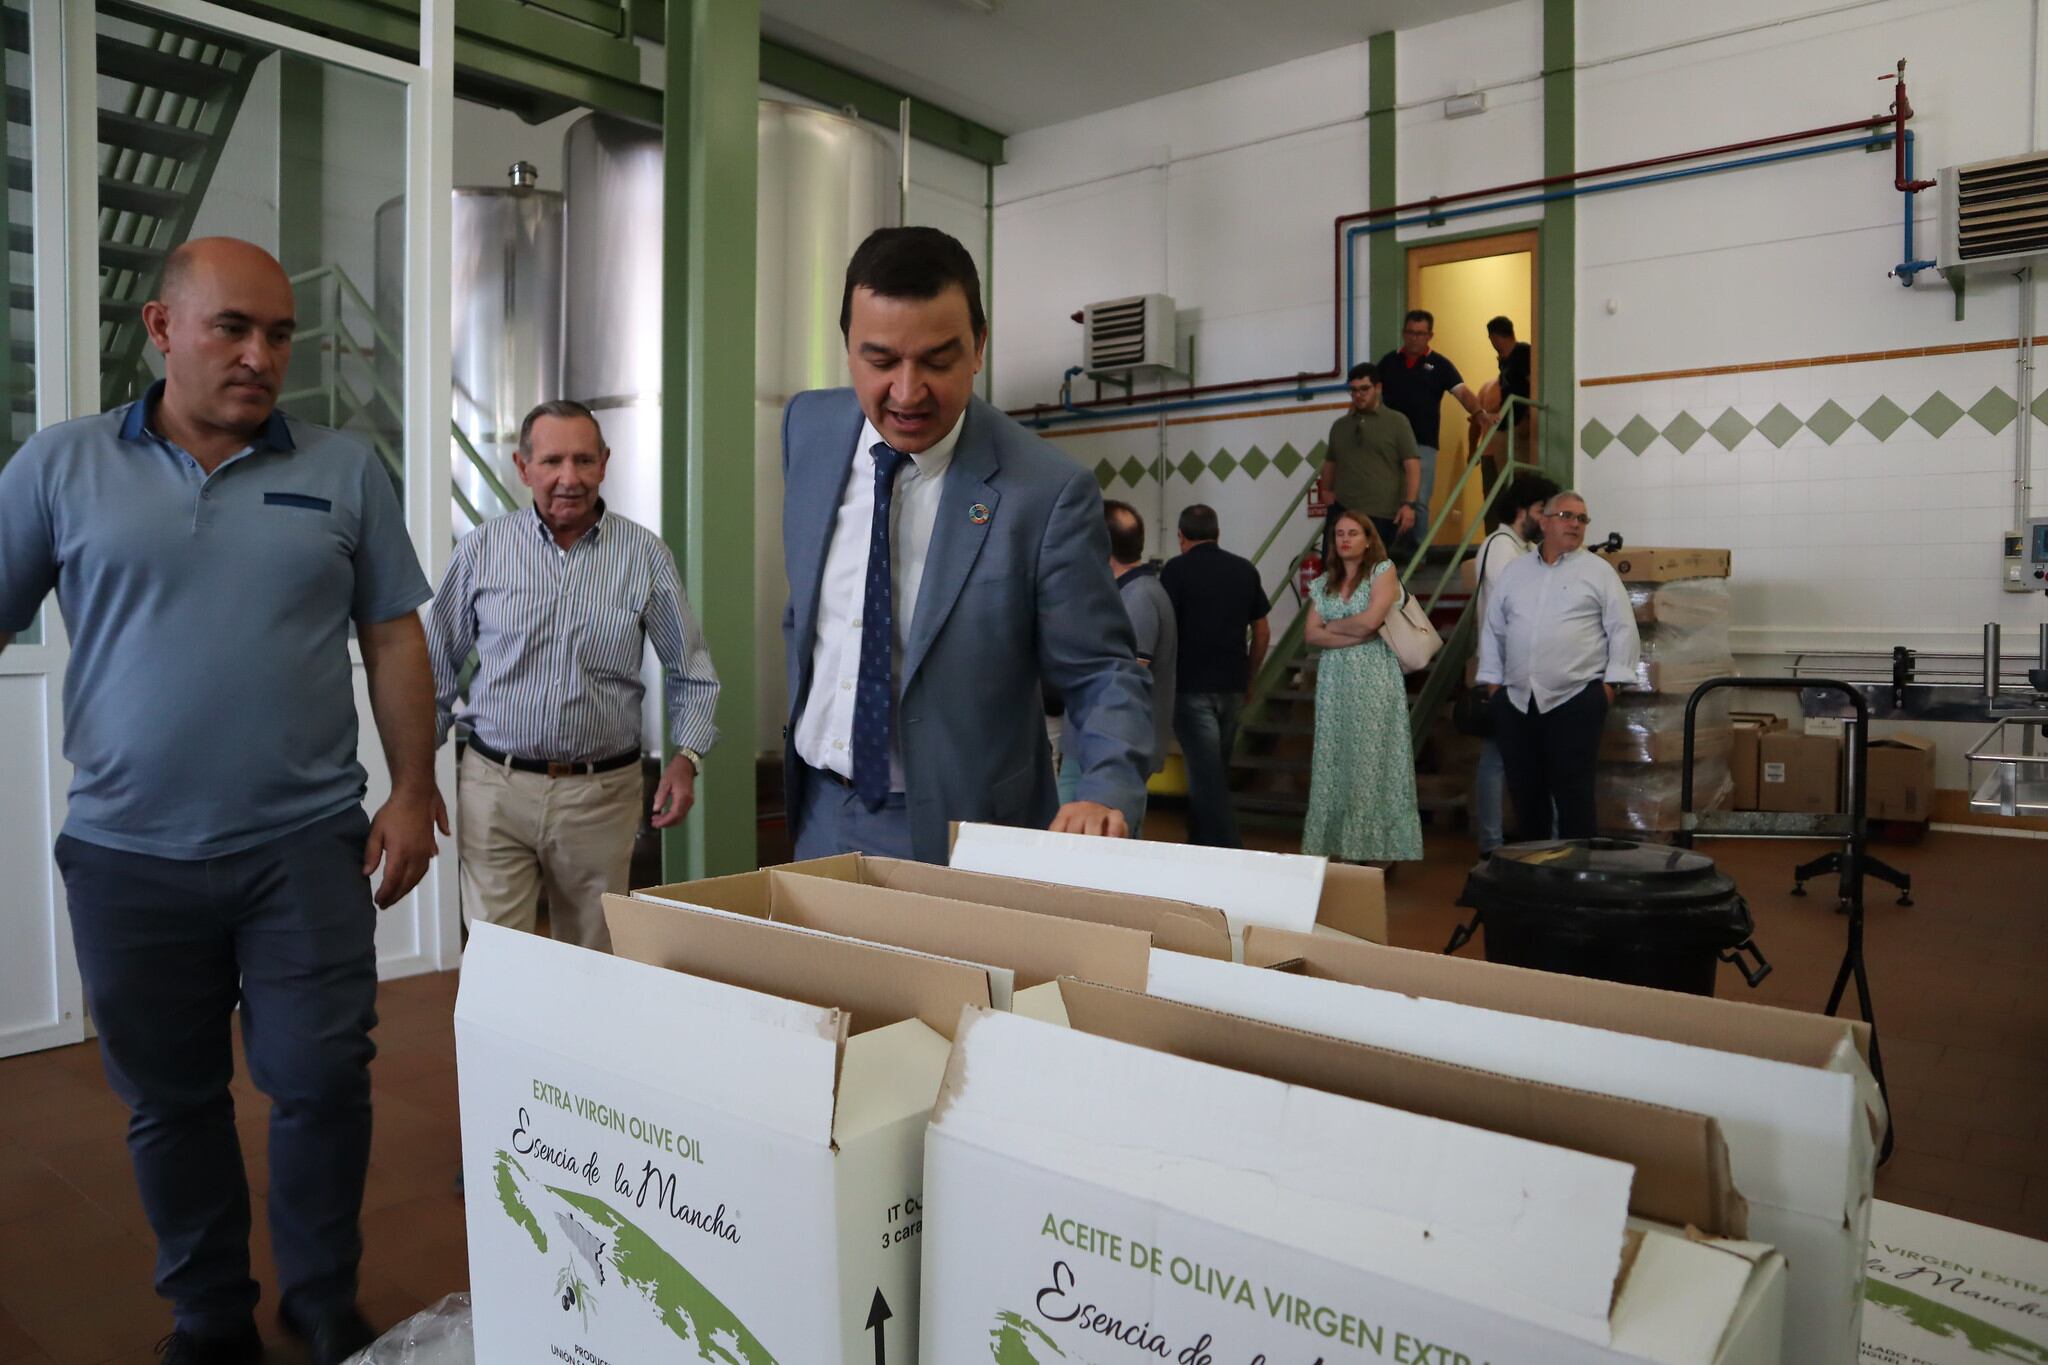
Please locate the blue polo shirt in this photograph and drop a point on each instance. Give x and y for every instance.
(209, 704)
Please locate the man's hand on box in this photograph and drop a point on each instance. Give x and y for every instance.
(1091, 817)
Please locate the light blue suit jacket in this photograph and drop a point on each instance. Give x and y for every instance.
(1009, 600)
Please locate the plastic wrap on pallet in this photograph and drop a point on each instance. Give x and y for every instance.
(1643, 798)
(1685, 602)
(1650, 728)
(441, 1335)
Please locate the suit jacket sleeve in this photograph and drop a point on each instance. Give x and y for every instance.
(1086, 652)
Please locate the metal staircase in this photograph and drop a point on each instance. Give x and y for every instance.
(1271, 766)
(169, 94)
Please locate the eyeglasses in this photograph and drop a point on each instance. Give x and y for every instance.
(1579, 517)
(1361, 390)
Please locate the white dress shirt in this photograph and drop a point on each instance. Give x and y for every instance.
(824, 732)
(1552, 629)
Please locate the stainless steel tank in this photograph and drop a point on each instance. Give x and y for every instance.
(506, 338)
(825, 182)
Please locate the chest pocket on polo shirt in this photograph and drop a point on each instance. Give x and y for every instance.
(303, 501)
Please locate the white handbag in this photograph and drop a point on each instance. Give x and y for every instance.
(1410, 635)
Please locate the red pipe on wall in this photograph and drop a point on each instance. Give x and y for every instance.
(1901, 111)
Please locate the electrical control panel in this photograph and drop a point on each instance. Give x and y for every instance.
(2026, 557)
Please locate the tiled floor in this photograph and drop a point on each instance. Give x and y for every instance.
(1958, 980)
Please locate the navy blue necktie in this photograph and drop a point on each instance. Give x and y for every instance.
(875, 694)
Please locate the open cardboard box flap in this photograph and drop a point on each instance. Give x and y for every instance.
(876, 985)
(1278, 890)
(1179, 926)
(1037, 948)
(779, 1070)
(1527, 1232)
(1681, 1162)
(1763, 1031)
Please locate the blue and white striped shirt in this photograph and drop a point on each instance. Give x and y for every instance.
(558, 635)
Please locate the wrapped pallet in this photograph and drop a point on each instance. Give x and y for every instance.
(1683, 622)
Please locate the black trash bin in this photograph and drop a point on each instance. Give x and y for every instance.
(1644, 914)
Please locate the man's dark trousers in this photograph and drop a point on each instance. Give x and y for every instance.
(1205, 723)
(1550, 757)
(168, 949)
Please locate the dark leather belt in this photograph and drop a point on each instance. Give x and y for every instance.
(549, 767)
(832, 777)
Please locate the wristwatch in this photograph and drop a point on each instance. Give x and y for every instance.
(696, 760)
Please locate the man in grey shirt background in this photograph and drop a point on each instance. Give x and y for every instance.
(1152, 622)
(209, 555)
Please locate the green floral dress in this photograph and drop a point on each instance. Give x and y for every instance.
(1361, 798)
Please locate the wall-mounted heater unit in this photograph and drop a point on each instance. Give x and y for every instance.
(1123, 335)
(1994, 214)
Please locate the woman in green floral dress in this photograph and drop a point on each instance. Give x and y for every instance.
(1361, 800)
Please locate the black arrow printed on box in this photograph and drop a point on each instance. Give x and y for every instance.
(878, 1313)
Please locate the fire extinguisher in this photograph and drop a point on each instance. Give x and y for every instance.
(1311, 569)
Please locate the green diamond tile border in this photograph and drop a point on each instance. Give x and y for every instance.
(1105, 473)
(1637, 435)
(1684, 431)
(1223, 464)
(1595, 438)
(1729, 429)
(1829, 421)
(1882, 419)
(1779, 426)
(1133, 471)
(1938, 413)
(1191, 466)
(1254, 462)
(1995, 410)
(2039, 407)
(1288, 460)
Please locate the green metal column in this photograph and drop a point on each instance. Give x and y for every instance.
(713, 61)
(1557, 287)
(1386, 279)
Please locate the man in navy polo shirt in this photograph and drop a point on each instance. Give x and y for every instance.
(209, 554)
(1414, 380)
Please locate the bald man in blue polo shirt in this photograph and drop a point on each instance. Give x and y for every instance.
(209, 554)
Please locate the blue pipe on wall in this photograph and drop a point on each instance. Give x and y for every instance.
(1883, 139)
(1908, 267)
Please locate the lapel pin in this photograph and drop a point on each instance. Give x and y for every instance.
(978, 514)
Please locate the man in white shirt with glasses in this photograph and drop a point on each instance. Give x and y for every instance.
(1559, 637)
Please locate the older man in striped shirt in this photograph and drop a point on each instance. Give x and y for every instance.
(557, 601)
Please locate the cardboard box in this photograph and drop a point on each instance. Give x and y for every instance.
(1945, 1292)
(1900, 784)
(1678, 677)
(709, 1146)
(1799, 773)
(1657, 564)
(1096, 1199)
(1280, 890)
(1621, 742)
(1749, 728)
(1032, 949)
(1793, 1092)
(1174, 925)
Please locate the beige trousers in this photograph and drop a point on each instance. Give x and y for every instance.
(522, 832)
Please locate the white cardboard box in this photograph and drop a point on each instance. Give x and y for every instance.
(720, 1163)
(1944, 1292)
(1092, 1200)
(1274, 890)
(1793, 1094)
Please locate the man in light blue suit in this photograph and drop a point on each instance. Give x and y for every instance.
(943, 562)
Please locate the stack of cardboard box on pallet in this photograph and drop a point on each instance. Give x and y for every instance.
(860, 1109)
(1682, 613)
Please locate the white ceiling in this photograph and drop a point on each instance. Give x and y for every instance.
(1038, 62)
